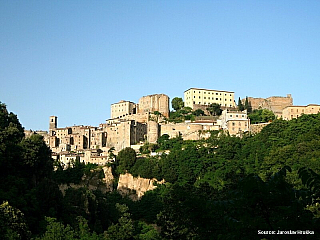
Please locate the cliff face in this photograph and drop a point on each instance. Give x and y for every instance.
(93, 182)
(135, 188)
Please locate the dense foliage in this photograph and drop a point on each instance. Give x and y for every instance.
(261, 116)
(221, 188)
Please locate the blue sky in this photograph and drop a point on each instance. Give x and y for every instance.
(73, 59)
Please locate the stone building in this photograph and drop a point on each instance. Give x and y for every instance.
(142, 111)
(292, 112)
(123, 108)
(123, 133)
(199, 96)
(235, 122)
(188, 130)
(274, 103)
(153, 132)
(155, 102)
(75, 138)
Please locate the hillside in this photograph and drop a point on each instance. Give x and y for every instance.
(220, 188)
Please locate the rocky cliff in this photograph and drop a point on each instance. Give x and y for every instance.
(93, 182)
(135, 187)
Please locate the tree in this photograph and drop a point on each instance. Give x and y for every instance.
(124, 228)
(261, 116)
(36, 158)
(56, 230)
(126, 159)
(240, 105)
(198, 112)
(177, 103)
(214, 109)
(247, 105)
(12, 223)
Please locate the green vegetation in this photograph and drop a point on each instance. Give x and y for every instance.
(182, 113)
(177, 103)
(261, 116)
(221, 188)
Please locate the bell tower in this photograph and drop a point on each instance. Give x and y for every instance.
(53, 122)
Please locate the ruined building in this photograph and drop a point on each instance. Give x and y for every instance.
(275, 103)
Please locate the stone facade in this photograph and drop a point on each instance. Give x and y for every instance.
(292, 112)
(256, 128)
(123, 108)
(153, 132)
(123, 133)
(275, 103)
(235, 122)
(188, 130)
(155, 102)
(199, 96)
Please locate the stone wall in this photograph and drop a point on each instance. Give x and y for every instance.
(188, 131)
(155, 102)
(274, 103)
(256, 128)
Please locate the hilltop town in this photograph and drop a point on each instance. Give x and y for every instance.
(133, 124)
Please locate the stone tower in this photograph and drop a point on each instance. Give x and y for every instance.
(53, 123)
(153, 132)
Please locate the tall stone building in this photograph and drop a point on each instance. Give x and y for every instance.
(155, 102)
(123, 133)
(274, 103)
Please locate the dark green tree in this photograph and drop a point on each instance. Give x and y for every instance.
(240, 105)
(214, 109)
(126, 159)
(198, 112)
(122, 230)
(37, 159)
(12, 223)
(177, 103)
(261, 116)
(247, 105)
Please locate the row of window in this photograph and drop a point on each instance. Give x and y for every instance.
(208, 103)
(210, 93)
(233, 124)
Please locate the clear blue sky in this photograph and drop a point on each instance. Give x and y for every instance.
(73, 59)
